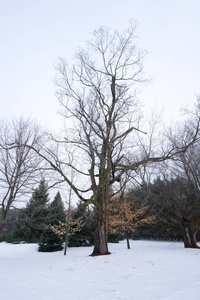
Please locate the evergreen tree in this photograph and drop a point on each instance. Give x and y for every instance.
(50, 241)
(32, 219)
(176, 200)
(85, 236)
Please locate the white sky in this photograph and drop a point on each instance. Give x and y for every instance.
(34, 33)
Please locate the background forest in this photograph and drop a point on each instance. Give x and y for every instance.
(156, 212)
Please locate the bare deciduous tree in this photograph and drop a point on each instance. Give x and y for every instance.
(187, 166)
(18, 165)
(103, 140)
(176, 194)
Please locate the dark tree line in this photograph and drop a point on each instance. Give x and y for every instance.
(161, 210)
(174, 200)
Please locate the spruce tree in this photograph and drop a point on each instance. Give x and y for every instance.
(32, 219)
(50, 241)
(85, 236)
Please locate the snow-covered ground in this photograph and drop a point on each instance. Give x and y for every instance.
(149, 270)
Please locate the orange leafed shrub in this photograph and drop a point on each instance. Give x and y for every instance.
(124, 217)
(72, 225)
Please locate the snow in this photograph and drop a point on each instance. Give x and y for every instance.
(149, 270)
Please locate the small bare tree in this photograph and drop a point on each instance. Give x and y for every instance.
(18, 165)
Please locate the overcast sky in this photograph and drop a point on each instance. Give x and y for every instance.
(34, 33)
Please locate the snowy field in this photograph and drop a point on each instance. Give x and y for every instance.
(149, 270)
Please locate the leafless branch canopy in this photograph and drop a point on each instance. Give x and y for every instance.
(19, 164)
(97, 94)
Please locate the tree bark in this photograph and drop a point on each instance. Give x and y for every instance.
(100, 238)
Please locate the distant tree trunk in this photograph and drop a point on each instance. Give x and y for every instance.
(128, 242)
(189, 234)
(67, 221)
(4, 210)
(2, 228)
(66, 233)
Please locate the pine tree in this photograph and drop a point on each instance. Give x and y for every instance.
(49, 240)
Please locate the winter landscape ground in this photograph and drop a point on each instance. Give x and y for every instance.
(149, 270)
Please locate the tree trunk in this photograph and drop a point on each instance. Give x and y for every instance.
(2, 228)
(67, 222)
(128, 242)
(100, 238)
(66, 236)
(189, 234)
